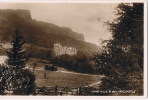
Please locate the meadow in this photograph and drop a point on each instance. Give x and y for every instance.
(50, 78)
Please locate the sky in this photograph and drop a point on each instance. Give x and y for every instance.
(85, 18)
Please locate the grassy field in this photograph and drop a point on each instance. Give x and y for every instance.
(59, 78)
(63, 79)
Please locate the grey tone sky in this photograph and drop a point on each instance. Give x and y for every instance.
(85, 18)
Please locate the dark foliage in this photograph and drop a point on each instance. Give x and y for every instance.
(21, 82)
(121, 61)
(51, 68)
(14, 77)
(2, 80)
(27, 84)
(16, 55)
(79, 62)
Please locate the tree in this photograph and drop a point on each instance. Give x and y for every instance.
(121, 61)
(2, 80)
(16, 55)
(49, 54)
(14, 76)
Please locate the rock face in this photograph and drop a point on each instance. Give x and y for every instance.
(40, 33)
(5, 13)
(10, 15)
(51, 28)
(25, 14)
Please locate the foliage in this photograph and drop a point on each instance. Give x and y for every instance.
(49, 54)
(2, 80)
(21, 82)
(26, 84)
(79, 62)
(121, 61)
(14, 77)
(16, 55)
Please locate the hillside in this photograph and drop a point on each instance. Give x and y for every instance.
(40, 33)
(51, 28)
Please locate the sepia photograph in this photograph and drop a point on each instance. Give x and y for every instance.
(72, 49)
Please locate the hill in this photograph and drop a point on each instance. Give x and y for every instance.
(40, 33)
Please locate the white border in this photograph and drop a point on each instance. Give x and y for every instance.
(70, 1)
(89, 1)
(145, 50)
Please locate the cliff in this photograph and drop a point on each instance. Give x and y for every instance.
(10, 15)
(40, 33)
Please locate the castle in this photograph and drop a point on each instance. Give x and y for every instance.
(60, 50)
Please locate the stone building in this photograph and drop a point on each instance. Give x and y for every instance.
(60, 50)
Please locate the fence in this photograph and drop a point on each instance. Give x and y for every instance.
(63, 91)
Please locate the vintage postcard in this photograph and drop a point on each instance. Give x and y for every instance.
(73, 49)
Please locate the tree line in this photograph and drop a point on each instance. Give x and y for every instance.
(79, 62)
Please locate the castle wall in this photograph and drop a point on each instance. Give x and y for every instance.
(60, 50)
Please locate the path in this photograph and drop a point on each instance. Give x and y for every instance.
(65, 72)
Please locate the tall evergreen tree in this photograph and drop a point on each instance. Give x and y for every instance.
(121, 61)
(16, 55)
(14, 77)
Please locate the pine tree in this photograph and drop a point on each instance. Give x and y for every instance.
(121, 61)
(16, 55)
(15, 77)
